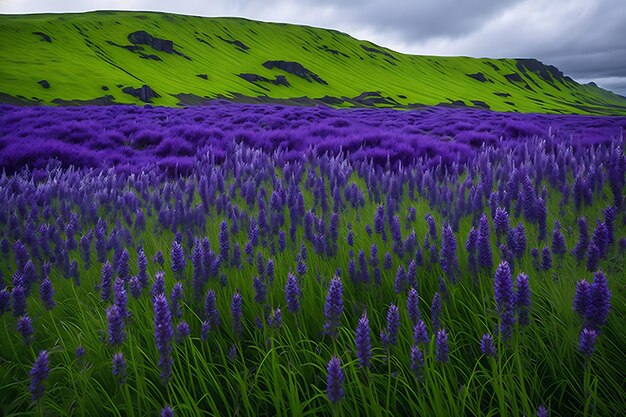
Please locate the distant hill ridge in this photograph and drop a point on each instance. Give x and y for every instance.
(110, 57)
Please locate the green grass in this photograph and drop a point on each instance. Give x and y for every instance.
(79, 61)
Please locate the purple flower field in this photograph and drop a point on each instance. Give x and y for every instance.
(264, 260)
(136, 139)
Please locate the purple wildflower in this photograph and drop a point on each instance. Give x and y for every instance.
(39, 375)
(363, 341)
(236, 313)
(522, 299)
(393, 325)
(210, 310)
(205, 328)
(292, 293)
(503, 294)
(158, 258)
(582, 297)
(275, 320)
(399, 284)
(158, 288)
(142, 264)
(485, 257)
(333, 307)
(167, 412)
(432, 227)
(282, 241)
(5, 301)
(116, 326)
(135, 287)
(580, 249)
(46, 292)
(119, 367)
(163, 334)
(25, 327)
(121, 297)
(587, 342)
(420, 334)
(122, 264)
(546, 259)
(599, 301)
(435, 311)
(335, 377)
(387, 264)
(542, 411)
(486, 345)
(106, 281)
(558, 241)
(224, 242)
(441, 346)
(80, 354)
(260, 290)
(501, 222)
(19, 301)
(178, 259)
(448, 260)
(417, 360)
(593, 257)
(412, 305)
(601, 238)
(182, 332)
(176, 297)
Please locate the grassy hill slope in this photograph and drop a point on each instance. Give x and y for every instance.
(106, 57)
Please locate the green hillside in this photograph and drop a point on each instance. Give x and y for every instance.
(107, 57)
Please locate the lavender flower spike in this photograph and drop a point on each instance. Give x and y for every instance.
(363, 341)
(119, 367)
(38, 375)
(600, 300)
(333, 307)
(163, 334)
(441, 346)
(393, 325)
(292, 293)
(486, 345)
(587, 343)
(235, 309)
(335, 377)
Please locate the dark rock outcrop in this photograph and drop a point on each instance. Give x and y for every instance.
(372, 98)
(331, 101)
(548, 73)
(237, 43)
(295, 68)
(479, 76)
(98, 101)
(492, 65)
(325, 48)
(513, 78)
(44, 37)
(378, 51)
(281, 80)
(254, 78)
(144, 93)
(481, 104)
(142, 37)
(44, 83)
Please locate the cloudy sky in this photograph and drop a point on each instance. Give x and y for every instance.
(583, 38)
